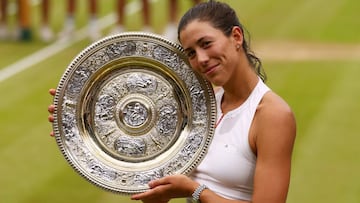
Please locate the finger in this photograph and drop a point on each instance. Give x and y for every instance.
(52, 91)
(140, 195)
(52, 134)
(51, 108)
(51, 118)
(161, 181)
(135, 197)
(149, 194)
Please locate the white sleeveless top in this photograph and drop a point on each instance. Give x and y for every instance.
(228, 167)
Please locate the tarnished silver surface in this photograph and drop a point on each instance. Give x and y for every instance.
(129, 109)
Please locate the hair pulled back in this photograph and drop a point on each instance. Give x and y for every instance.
(221, 16)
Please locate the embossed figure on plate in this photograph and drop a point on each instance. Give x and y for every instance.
(135, 114)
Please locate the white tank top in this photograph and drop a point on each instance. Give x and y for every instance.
(228, 168)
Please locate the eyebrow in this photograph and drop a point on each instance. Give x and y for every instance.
(197, 42)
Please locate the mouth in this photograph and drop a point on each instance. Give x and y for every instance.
(210, 69)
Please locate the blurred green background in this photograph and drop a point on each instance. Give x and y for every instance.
(310, 52)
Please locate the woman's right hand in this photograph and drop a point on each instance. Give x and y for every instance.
(51, 109)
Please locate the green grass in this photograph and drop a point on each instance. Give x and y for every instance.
(323, 94)
(303, 20)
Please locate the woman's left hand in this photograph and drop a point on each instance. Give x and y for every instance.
(166, 188)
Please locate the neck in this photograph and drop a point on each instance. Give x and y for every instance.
(238, 89)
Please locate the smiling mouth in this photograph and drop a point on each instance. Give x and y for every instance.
(210, 69)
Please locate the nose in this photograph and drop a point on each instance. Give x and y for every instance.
(202, 57)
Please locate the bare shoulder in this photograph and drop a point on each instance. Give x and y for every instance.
(274, 121)
(273, 108)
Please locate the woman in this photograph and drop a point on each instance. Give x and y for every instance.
(250, 156)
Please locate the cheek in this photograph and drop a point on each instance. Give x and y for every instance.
(194, 65)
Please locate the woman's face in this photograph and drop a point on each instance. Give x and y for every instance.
(209, 51)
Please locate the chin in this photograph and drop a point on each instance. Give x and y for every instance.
(216, 82)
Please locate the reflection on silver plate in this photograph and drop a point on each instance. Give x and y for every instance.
(129, 110)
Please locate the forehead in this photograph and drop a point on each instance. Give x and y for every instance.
(197, 30)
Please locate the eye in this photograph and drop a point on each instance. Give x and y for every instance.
(205, 44)
(190, 54)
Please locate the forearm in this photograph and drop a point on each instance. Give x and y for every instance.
(208, 196)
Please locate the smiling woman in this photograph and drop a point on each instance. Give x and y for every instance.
(324, 95)
(256, 129)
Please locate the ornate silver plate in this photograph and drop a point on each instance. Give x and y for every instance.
(129, 109)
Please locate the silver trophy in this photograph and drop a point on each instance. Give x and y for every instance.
(129, 109)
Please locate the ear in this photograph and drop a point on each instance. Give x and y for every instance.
(237, 34)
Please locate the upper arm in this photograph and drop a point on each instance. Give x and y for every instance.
(274, 131)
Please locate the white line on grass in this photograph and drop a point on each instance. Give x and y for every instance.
(61, 44)
(50, 50)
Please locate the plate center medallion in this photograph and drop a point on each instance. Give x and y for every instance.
(134, 114)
